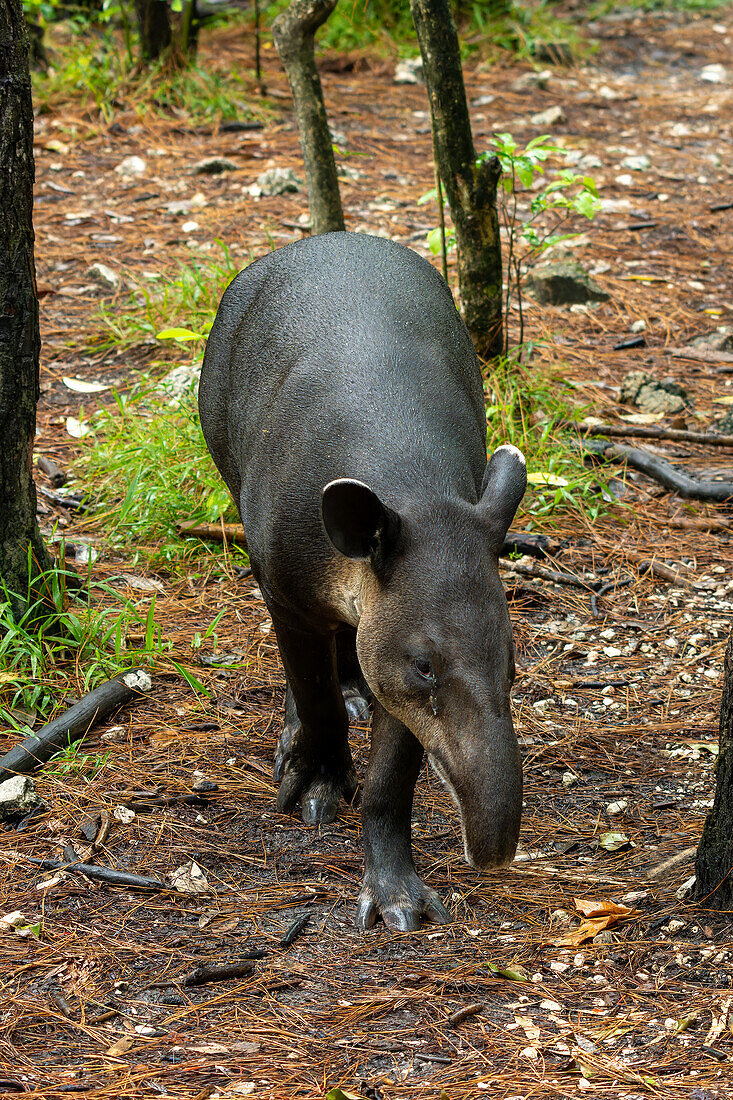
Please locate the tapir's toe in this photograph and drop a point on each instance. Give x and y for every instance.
(402, 903)
(318, 796)
(357, 707)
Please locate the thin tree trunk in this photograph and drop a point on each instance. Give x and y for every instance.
(714, 862)
(470, 186)
(154, 27)
(294, 32)
(19, 333)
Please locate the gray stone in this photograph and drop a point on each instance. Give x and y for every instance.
(639, 163)
(212, 166)
(653, 395)
(560, 284)
(530, 82)
(276, 181)
(724, 423)
(105, 276)
(721, 340)
(408, 71)
(17, 797)
(553, 116)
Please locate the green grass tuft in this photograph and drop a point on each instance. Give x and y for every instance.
(57, 647)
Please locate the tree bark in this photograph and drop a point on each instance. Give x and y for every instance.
(714, 862)
(154, 27)
(294, 32)
(20, 538)
(470, 185)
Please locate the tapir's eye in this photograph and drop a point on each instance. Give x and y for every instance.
(423, 668)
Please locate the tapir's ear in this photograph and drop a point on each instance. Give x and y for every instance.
(505, 480)
(356, 521)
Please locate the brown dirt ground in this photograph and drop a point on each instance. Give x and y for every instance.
(370, 1012)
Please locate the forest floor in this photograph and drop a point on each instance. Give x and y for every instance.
(616, 711)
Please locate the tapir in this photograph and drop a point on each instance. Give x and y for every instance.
(342, 401)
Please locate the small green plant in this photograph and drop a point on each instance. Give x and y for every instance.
(522, 208)
(525, 211)
(148, 461)
(155, 311)
(72, 760)
(525, 407)
(61, 644)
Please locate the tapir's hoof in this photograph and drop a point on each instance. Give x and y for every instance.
(318, 795)
(282, 753)
(401, 902)
(357, 707)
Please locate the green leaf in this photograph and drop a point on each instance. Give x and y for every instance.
(192, 681)
(342, 1094)
(429, 196)
(511, 974)
(545, 478)
(614, 842)
(179, 334)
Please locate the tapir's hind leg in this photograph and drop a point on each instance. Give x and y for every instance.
(357, 695)
(313, 759)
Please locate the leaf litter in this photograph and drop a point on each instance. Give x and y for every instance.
(368, 1014)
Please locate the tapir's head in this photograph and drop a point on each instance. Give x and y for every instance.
(434, 638)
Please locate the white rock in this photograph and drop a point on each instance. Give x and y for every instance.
(637, 163)
(714, 74)
(686, 888)
(17, 797)
(408, 71)
(105, 276)
(613, 809)
(638, 326)
(131, 166)
(553, 116)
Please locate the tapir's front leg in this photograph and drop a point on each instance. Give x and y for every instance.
(391, 885)
(313, 759)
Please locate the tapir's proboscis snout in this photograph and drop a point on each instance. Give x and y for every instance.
(342, 401)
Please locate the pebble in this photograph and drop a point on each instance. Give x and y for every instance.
(613, 809)
(553, 116)
(131, 166)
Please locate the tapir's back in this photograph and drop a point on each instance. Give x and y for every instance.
(340, 355)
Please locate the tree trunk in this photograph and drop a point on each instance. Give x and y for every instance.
(19, 333)
(714, 862)
(294, 32)
(470, 186)
(154, 27)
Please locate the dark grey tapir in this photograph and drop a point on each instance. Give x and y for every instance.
(341, 399)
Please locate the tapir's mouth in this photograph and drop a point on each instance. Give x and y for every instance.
(486, 845)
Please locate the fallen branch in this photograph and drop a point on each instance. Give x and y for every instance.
(75, 723)
(700, 355)
(603, 590)
(635, 431)
(699, 523)
(553, 575)
(213, 532)
(661, 471)
(669, 476)
(536, 546)
(107, 875)
(205, 973)
(465, 1013)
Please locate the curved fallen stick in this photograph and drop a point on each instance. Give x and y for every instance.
(661, 471)
(73, 724)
